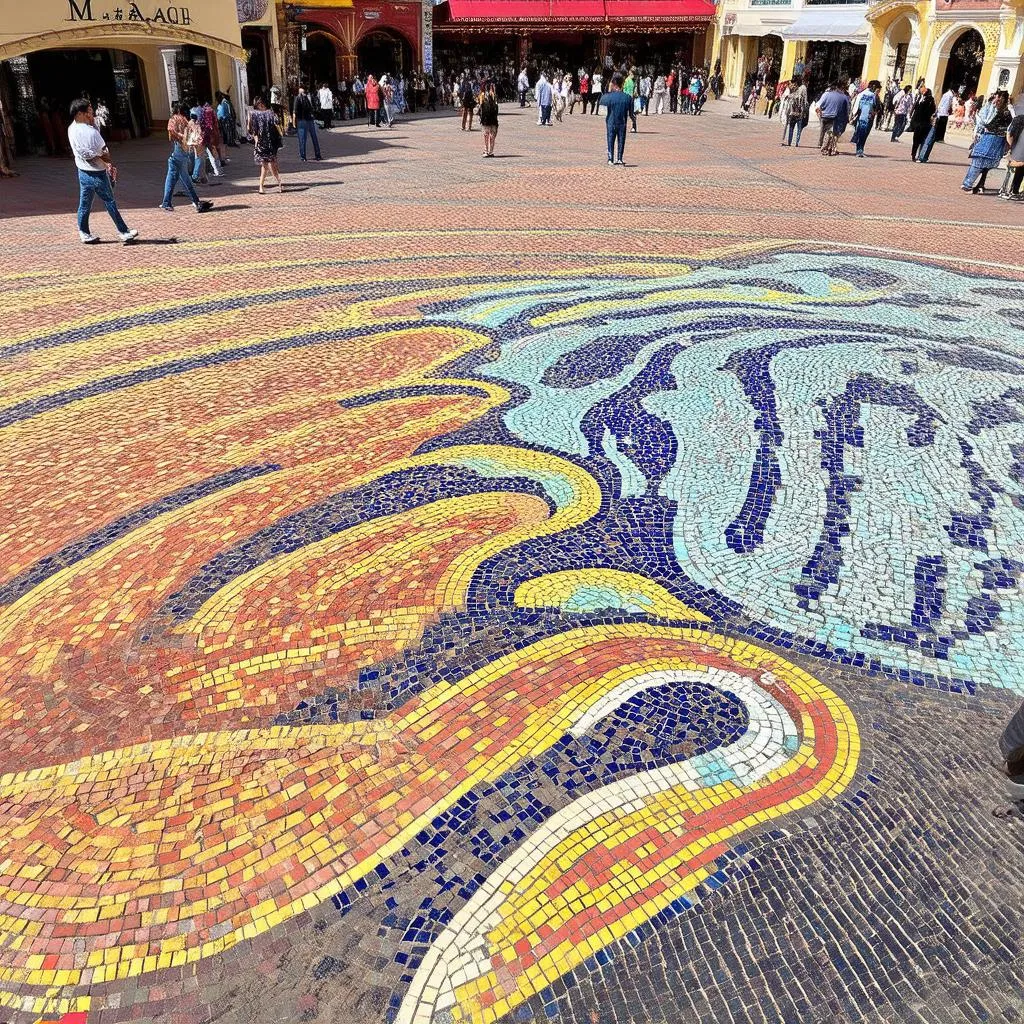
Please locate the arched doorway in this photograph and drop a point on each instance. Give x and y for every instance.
(384, 51)
(319, 62)
(966, 57)
(902, 49)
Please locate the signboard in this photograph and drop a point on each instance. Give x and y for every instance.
(142, 13)
(169, 58)
(428, 36)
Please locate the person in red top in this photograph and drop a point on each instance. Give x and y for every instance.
(179, 163)
(372, 102)
(584, 89)
(673, 98)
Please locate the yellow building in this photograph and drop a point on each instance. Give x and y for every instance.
(137, 56)
(967, 44)
(973, 45)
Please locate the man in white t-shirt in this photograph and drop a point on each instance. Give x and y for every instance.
(326, 98)
(96, 172)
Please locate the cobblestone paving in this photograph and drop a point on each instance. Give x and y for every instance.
(515, 590)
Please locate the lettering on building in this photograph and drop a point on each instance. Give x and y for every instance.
(172, 14)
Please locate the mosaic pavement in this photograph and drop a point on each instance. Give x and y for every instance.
(394, 638)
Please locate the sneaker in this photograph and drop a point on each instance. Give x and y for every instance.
(203, 205)
(128, 236)
(166, 209)
(610, 162)
(620, 163)
(87, 239)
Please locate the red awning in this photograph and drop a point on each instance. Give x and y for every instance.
(554, 11)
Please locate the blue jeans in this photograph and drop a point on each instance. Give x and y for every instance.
(545, 114)
(616, 139)
(308, 129)
(860, 135)
(178, 169)
(96, 183)
(899, 126)
(926, 147)
(796, 123)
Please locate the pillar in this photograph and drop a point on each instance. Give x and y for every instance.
(790, 48)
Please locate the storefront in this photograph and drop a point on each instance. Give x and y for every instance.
(651, 34)
(134, 57)
(832, 43)
(750, 36)
(336, 39)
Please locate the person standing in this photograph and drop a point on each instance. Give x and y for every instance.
(659, 93)
(489, 117)
(372, 95)
(96, 172)
(797, 112)
(265, 132)
(865, 111)
(326, 98)
(629, 88)
(523, 85)
(1011, 188)
(544, 97)
(226, 120)
(596, 84)
(990, 145)
(468, 101)
(618, 106)
(359, 96)
(584, 89)
(179, 163)
(902, 107)
(921, 117)
(645, 89)
(303, 117)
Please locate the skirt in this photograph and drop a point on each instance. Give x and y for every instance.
(988, 151)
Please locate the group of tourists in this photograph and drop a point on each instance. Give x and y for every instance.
(998, 129)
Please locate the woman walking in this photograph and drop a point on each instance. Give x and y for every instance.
(265, 132)
(989, 147)
(489, 117)
(865, 111)
(596, 85)
(921, 120)
(1015, 161)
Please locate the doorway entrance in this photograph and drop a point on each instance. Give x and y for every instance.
(963, 72)
(319, 63)
(384, 51)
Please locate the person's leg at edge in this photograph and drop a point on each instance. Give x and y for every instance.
(263, 177)
(277, 174)
(169, 182)
(303, 135)
(621, 142)
(106, 194)
(85, 194)
(316, 140)
(610, 134)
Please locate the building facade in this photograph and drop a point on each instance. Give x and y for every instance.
(573, 33)
(968, 44)
(137, 57)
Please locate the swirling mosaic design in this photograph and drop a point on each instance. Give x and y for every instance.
(271, 636)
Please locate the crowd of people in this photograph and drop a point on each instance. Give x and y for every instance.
(995, 123)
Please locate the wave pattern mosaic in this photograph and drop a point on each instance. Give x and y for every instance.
(274, 637)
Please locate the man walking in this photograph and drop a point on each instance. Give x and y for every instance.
(96, 172)
(544, 97)
(618, 106)
(834, 111)
(937, 133)
(303, 116)
(179, 163)
(523, 85)
(902, 106)
(468, 101)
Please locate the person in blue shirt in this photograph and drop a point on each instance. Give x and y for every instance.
(544, 97)
(865, 110)
(618, 107)
(834, 111)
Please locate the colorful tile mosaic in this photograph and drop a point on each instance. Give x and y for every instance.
(492, 624)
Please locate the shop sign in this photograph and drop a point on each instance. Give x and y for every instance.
(96, 11)
(371, 15)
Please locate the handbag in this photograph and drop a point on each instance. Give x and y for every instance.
(637, 105)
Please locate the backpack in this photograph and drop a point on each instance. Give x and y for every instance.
(797, 106)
